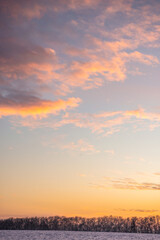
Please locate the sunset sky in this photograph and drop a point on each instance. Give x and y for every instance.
(79, 108)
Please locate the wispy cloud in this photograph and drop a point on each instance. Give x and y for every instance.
(137, 210)
(110, 152)
(157, 173)
(105, 124)
(82, 175)
(82, 146)
(131, 184)
(126, 184)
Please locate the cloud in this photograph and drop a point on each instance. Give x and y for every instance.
(39, 66)
(37, 8)
(119, 6)
(137, 210)
(141, 159)
(157, 173)
(112, 55)
(89, 53)
(104, 61)
(126, 184)
(108, 122)
(104, 123)
(98, 186)
(110, 152)
(34, 106)
(82, 146)
(111, 67)
(143, 58)
(20, 61)
(82, 175)
(131, 184)
(92, 121)
(141, 114)
(15, 9)
(86, 64)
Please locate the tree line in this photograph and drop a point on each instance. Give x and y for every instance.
(101, 224)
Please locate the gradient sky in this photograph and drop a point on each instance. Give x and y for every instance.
(79, 107)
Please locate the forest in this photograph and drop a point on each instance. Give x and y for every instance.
(101, 224)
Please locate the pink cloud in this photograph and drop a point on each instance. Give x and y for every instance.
(105, 124)
(37, 8)
(20, 61)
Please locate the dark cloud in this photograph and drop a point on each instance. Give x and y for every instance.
(26, 67)
(15, 98)
(15, 52)
(24, 104)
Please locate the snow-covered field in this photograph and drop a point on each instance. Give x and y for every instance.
(64, 235)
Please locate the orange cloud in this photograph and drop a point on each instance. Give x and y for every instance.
(39, 107)
(141, 114)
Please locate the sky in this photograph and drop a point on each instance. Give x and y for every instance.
(79, 108)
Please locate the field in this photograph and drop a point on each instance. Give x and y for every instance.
(66, 235)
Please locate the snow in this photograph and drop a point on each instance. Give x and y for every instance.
(65, 235)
